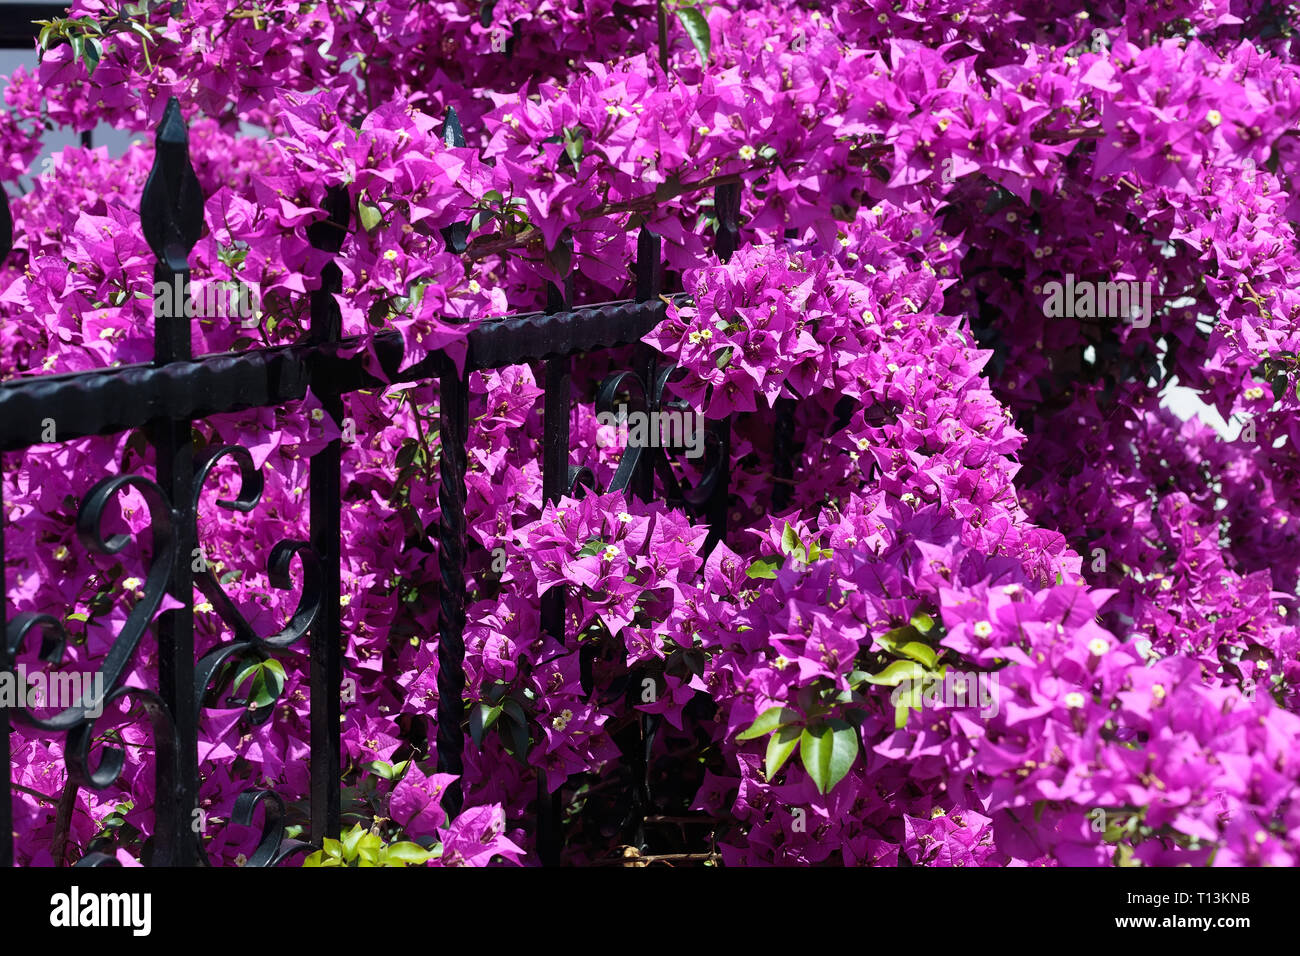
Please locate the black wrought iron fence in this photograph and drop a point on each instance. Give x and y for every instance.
(164, 397)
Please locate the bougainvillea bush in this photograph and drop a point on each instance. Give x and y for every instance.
(985, 487)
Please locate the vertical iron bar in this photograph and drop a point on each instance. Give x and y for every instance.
(171, 214)
(453, 435)
(662, 23)
(555, 476)
(726, 206)
(326, 634)
(174, 452)
(783, 441)
(453, 431)
(649, 282)
(726, 199)
(6, 801)
(783, 454)
(6, 778)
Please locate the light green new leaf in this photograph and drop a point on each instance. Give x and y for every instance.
(351, 839)
(400, 854)
(922, 622)
(920, 652)
(896, 673)
(790, 543)
(370, 215)
(765, 567)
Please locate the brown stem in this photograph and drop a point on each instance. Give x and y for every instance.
(655, 818)
(1072, 133)
(658, 858)
(62, 822)
(43, 797)
(641, 203)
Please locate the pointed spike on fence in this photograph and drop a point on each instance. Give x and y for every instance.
(456, 236)
(6, 227)
(452, 134)
(171, 206)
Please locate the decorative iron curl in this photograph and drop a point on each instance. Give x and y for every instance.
(273, 848)
(650, 401)
(97, 859)
(580, 477)
(113, 759)
(54, 637)
(251, 485)
(209, 666)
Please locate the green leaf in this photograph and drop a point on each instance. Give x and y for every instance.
(267, 684)
(828, 749)
(768, 721)
(900, 716)
(574, 141)
(922, 622)
(400, 854)
(891, 640)
(350, 841)
(779, 748)
(896, 673)
(592, 547)
(481, 718)
(276, 670)
(920, 652)
(765, 567)
(369, 215)
(790, 543)
(517, 740)
(697, 28)
(908, 701)
(368, 849)
(515, 711)
(94, 51)
(724, 358)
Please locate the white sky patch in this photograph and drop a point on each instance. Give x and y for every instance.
(1186, 403)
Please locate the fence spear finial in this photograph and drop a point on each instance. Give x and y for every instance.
(171, 207)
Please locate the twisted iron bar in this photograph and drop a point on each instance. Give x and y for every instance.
(453, 430)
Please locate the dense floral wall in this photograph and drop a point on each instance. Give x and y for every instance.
(1002, 496)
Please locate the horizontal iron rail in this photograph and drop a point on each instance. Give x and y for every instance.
(111, 400)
